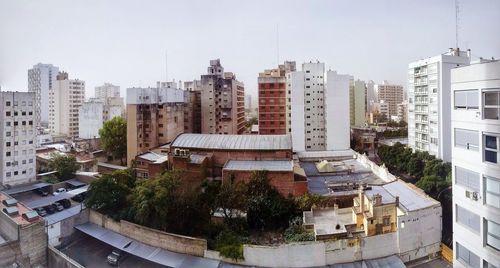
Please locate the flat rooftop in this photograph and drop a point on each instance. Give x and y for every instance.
(411, 198)
(233, 142)
(18, 218)
(326, 220)
(270, 165)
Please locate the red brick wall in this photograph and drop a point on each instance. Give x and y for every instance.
(272, 115)
(282, 181)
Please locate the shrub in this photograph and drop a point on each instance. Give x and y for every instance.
(230, 244)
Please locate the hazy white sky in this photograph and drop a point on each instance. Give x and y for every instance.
(124, 42)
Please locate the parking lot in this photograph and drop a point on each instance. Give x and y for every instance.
(91, 252)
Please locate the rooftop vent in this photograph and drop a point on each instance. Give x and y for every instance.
(31, 216)
(10, 202)
(11, 211)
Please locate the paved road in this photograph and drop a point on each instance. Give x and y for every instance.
(91, 252)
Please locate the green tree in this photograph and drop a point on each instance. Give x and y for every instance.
(231, 198)
(114, 138)
(109, 193)
(432, 184)
(416, 166)
(65, 165)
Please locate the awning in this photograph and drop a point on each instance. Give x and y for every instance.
(25, 188)
(392, 261)
(141, 250)
(62, 215)
(45, 201)
(75, 183)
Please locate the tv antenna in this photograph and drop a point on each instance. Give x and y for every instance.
(166, 65)
(457, 18)
(277, 44)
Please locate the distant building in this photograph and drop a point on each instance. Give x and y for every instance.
(273, 99)
(90, 118)
(248, 102)
(192, 106)
(17, 137)
(357, 102)
(475, 141)
(429, 101)
(222, 101)
(155, 116)
(403, 111)
(390, 94)
(109, 94)
(65, 99)
(41, 80)
(107, 91)
(319, 108)
(371, 96)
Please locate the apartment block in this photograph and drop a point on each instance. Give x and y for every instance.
(107, 90)
(109, 94)
(65, 99)
(222, 102)
(319, 105)
(390, 94)
(429, 101)
(155, 116)
(273, 98)
(371, 96)
(17, 137)
(192, 106)
(41, 80)
(357, 102)
(475, 141)
(403, 111)
(90, 118)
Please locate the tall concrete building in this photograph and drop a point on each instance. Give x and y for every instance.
(319, 108)
(390, 94)
(357, 103)
(155, 116)
(222, 102)
(41, 80)
(192, 106)
(90, 118)
(429, 101)
(371, 96)
(475, 140)
(17, 137)
(107, 90)
(64, 101)
(273, 99)
(403, 111)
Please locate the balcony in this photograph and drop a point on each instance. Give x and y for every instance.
(422, 130)
(426, 111)
(422, 92)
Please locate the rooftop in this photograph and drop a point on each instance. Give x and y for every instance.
(156, 158)
(270, 165)
(387, 198)
(18, 218)
(233, 142)
(411, 198)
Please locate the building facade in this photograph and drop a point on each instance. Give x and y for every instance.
(273, 98)
(41, 80)
(475, 114)
(371, 96)
(155, 116)
(390, 94)
(357, 103)
(65, 99)
(429, 101)
(319, 108)
(17, 137)
(90, 118)
(222, 102)
(403, 111)
(107, 90)
(192, 106)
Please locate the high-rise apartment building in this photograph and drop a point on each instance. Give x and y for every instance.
(403, 111)
(371, 96)
(107, 90)
(17, 137)
(273, 99)
(390, 94)
(155, 116)
(65, 99)
(41, 80)
(475, 141)
(429, 101)
(319, 108)
(90, 118)
(192, 106)
(222, 102)
(357, 102)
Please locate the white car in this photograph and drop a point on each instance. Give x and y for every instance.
(59, 191)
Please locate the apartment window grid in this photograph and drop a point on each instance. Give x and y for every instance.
(492, 234)
(467, 257)
(491, 147)
(468, 219)
(492, 191)
(491, 107)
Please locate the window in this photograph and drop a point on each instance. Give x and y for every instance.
(7, 113)
(492, 234)
(7, 174)
(466, 257)
(491, 148)
(468, 219)
(467, 139)
(7, 103)
(467, 178)
(7, 153)
(491, 108)
(466, 99)
(492, 191)
(488, 265)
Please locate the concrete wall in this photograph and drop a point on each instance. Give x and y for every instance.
(33, 243)
(57, 259)
(380, 171)
(287, 255)
(8, 228)
(60, 231)
(168, 241)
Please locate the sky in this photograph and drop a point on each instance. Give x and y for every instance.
(125, 42)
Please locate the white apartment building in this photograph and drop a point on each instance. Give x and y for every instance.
(17, 137)
(403, 111)
(475, 141)
(64, 101)
(107, 90)
(319, 108)
(41, 79)
(90, 118)
(390, 94)
(357, 99)
(429, 101)
(371, 96)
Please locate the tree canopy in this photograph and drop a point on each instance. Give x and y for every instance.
(114, 138)
(65, 165)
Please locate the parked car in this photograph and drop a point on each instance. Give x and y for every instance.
(79, 197)
(115, 256)
(57, 206)
(41, 192)
(41, 212)
(65, 203)
(49, 209)
(59, 191)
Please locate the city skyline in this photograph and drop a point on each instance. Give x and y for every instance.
(126, 46)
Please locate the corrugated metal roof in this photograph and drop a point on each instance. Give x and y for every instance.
(233, 142)
(62, 215)
(25, 188)
(154, 157)
(270, 165)
(410, 199)
(392, 261)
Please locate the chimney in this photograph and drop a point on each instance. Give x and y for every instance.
(361, 198)
(468, 53)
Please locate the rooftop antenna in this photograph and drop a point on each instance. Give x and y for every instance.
(457, 18)
(166, 65)
(277, 44)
